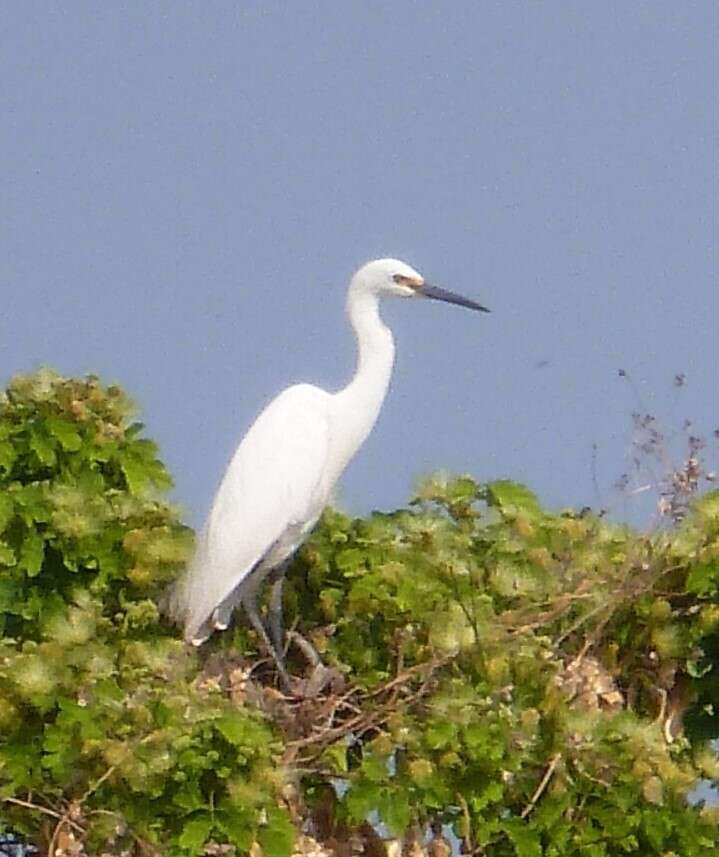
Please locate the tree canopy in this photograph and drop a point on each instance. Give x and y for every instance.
(503, 680)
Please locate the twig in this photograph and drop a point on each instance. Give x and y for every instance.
(65, 819)
(51, 812)
(467, 838)
(383, 700)
(429, 666)
(585, 618)
(400, 668)
(576, 661)
(561, 604)
(108, 773)
(362, 722)
(553, 762)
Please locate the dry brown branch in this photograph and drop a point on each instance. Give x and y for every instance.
(44, 810)
(531, 619)
(383, 700)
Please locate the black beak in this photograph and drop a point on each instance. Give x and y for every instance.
(438, 294)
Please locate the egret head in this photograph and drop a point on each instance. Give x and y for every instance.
(393, 278)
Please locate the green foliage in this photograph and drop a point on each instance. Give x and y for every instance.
(549, 661)
(100, 710)
(541, 684)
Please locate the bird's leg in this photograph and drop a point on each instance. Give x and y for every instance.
(320, 676)
(275, 622)
(274, 617)
(308, 650)
(249, 602)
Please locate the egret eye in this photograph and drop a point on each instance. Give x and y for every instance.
(404, 280)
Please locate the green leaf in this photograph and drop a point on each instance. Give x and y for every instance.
(195, 833)
(374, 767)
(7, 510)
(31, 504)
(336, 756)
(482, 798)
(43, 448)
(32, 553)
(441, 733)
(7, 455)
(462, 490)
(350, 560)
(133, 430)
(361, 799)
(395, 811)
(278, 836)
(512, 497)
(702, 579)
(233, 729)
(698, 667)
(7, 555)
(237, 827)
(525, 840)
(707, 506)
(135, 474)
(9, 594)
(657, 828)
(66, 432)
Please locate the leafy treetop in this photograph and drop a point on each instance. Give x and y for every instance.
(536, 683)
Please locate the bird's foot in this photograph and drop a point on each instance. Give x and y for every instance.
(321, 677)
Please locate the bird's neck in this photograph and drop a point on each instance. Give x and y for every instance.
(360, 401)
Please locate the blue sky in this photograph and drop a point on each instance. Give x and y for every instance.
(186, 188)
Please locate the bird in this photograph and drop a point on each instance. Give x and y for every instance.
(283, 472)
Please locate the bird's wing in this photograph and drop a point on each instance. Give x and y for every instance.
(274, 483)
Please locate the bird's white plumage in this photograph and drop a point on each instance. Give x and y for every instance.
(273, 491)
(281, 475)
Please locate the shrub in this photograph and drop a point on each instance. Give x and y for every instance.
(102, 722)
(533, 683)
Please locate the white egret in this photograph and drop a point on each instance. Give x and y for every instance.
(281, 475)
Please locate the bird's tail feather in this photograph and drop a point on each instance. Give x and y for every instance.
(179, 598)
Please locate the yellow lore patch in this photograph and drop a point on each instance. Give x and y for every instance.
(411, 282)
